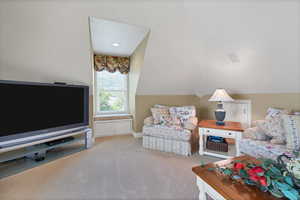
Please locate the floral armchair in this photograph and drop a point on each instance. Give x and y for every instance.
(278, 133)
(172, 129)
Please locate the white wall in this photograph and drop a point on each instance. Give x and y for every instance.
(187, 50)
(44, 42)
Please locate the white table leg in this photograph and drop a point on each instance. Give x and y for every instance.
(201, 150)
(237, 143)
(201, 186)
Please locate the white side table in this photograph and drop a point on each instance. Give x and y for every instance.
(229, 130)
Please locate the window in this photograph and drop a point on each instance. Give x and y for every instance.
(111, 92)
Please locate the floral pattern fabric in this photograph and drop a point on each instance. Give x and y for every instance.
(277, 124)
(183, 113)
(255, 133)
(291, 125)
(273, 127)
(273, 112)
(160, 106)
(149, 121)
(161, 116)
(263, 149)
(112, 63)
(172, 136)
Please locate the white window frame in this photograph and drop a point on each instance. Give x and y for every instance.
(97, 103)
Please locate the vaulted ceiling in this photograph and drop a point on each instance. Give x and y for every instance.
(115, 38)
(245, 46)
(195, 46)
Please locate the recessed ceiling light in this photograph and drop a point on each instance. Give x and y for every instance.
(234, 58)
(115, 44)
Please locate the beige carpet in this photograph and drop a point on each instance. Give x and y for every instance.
(115, 168)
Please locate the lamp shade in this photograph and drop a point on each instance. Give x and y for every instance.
(220, 95)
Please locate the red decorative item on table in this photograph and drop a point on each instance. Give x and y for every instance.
(267, 175)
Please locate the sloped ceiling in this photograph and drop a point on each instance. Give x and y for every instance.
(195, 46)
(106, 33)
(243, 46)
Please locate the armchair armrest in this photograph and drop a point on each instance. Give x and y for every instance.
(148, 121)
(195, 140)
(257, 122)
(191, 123)
(255, 133)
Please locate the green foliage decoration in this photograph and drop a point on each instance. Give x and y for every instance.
(276, 177)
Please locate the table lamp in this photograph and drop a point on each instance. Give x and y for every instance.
(220, 95)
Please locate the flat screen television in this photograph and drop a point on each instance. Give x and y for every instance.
(30, 109)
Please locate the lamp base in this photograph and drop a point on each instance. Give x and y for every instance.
(220, 114)
(220, 123)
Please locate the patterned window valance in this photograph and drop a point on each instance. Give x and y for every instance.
(112, 63)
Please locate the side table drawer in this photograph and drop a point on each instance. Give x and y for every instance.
(217, 132)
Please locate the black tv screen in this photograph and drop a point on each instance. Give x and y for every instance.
(36, 108)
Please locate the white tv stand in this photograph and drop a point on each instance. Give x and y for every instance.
(30, 148)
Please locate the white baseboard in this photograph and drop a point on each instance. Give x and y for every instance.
(112, 127)
(137, 135)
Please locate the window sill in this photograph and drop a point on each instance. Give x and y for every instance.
(112, 117)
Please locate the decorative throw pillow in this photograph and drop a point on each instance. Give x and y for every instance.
(255, 133)
(273, 112)
(160, 106)
(176, 121)
(291, 124)
(273, 128)
(182, 113)
(296, 113)
(161, 116)
(256, 122)
(166, 120)
(148, 121)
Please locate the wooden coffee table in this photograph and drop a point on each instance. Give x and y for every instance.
(219, 187)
